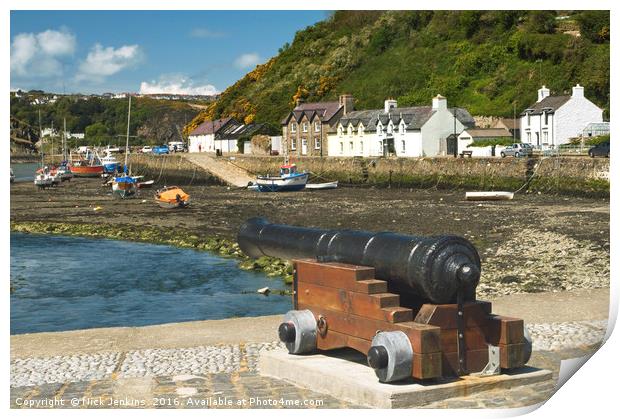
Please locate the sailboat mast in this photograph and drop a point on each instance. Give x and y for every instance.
(41, 136)
(64, 139)
(127, 142)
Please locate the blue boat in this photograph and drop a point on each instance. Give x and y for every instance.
(288, 181)
(110, 164)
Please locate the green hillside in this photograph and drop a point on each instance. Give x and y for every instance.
(103, 120)
(485, 61)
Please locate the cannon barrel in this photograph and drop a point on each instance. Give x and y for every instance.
(431, 268)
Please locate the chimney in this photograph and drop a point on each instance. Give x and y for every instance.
(389, 105)
(543, 92)
(578, 91)
(346, 101)
(440, 103)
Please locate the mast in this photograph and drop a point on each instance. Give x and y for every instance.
(127, 141)
(64, 139)
(41, 136)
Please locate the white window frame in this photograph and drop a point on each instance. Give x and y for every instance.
(404, 146)
(350, 130)
(317, 143)
(293, 144)
(317, 126)
(341, 147)
(293, 127)
(304, 127)
(360, 130)
(340, 130)
(351, 147)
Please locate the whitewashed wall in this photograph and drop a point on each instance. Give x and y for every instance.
(204, 141)
(573, 117)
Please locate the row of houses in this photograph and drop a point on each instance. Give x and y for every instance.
(336, 128)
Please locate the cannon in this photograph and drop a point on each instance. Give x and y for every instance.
(407, 302)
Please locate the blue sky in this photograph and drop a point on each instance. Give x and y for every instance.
(148, 51)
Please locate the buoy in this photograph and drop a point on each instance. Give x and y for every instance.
(264, 291)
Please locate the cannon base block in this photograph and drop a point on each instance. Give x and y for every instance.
(351, 307)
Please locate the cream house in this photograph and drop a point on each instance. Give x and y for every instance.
(403, 132)
(554, 120)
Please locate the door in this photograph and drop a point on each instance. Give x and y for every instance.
(452, 146)
(304, 146)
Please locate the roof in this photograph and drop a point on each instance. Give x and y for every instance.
(324, 110)
(236, 131)
(211, 127)
(509, 123)
(414, 117)
(550, 102)
(597, 126)
(488, 132)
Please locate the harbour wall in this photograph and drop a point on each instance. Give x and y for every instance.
(579, 176)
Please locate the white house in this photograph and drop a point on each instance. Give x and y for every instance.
(202, 138)
(468, 138)
(403, 132)
(554, 120)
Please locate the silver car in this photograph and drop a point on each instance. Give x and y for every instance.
(518, 150)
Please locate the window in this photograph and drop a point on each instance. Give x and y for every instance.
(351, 146)
(317, 127)
(293, 127)
(528, 119)
(401, 129)
(545, 137)
(404, 149)
(304, 127)
(350, 130)
(390, 129)
(546, 118)
(340, 130)
(361, 147)
(529, 137)
(317, 143)
(360, 130)
(293, 144)
(341, 147)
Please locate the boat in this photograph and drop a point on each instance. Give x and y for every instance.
(318, 186)
(64, 172)
(87, 166)
(289, 180)
(124, 186)
(110, 164)
(43, 180)
(12, 176)
(145, 184)
(172, 197)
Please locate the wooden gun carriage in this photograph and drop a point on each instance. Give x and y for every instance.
(408, 303)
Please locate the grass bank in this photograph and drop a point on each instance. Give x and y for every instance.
(147, 234)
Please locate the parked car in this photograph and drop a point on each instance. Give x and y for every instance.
(176, 146)
(599, 150)
(161, 149)
(518, 150)
(146, 149)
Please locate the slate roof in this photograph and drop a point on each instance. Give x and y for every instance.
(550, 102)
(238, 131)
(509, 123)
(211, 127)
(324, 110)
(488, 132)
(415, 117)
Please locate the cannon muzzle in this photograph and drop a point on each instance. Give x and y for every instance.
(431, 268)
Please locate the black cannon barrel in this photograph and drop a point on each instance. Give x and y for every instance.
(432, 268)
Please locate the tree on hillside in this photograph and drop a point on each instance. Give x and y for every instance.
(541, 21)
(594, 25)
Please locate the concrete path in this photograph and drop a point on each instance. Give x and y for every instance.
(220, 167)
(548, 307)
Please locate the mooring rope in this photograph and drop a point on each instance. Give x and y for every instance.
(527, 182)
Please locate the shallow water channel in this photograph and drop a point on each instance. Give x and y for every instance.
(66, 283)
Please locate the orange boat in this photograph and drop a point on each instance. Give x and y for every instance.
(172, 197)
(83, 169)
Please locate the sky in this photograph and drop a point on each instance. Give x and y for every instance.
(190, 52)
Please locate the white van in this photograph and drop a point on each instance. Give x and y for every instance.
(176, 146)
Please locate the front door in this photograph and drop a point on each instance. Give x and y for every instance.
(304, 146)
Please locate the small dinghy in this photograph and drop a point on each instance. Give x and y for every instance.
(145, 184)
(172, 197)
(327, 185)
(42, 181)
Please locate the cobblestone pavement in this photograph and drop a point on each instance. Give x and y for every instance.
(226, 377)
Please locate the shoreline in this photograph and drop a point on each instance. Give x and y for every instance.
(217, 245)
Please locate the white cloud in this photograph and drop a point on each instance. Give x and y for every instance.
(247, 60)
(176, 84)
(102, 62)
(39, 55)
(205, 33)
